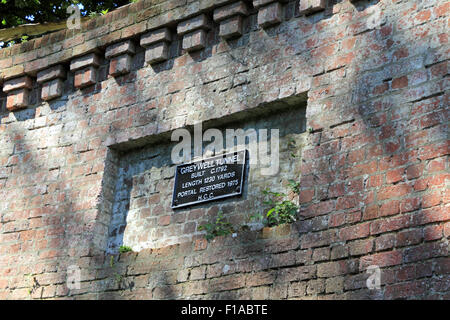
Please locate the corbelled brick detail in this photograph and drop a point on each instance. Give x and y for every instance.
(85, 69)
(18, 92)
(261, 3)
(85, 77)
(199, 22)
(194, 32)
(155, 36)
(51, 73)
(230, 19)
(270, 14)
(88, 60)
(120, 55)
(17, 83)
(17, 99)
(52, 89)
(118, 49)
(194, 41)
(52, 83)
(310, 6)
(156, 45)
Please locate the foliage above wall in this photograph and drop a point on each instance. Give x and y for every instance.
(49, 13)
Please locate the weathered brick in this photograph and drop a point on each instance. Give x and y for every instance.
(194, 41)
(17, 83)
(259, 3)
(231, 27)
(383, 259)
(339, 251)
(231, 10)
(52, 89)
(85, 77)
(297, 289)
(198, 22)
(90, 60)
(385, 241)
(51, 73)
(119, 49)
(17, 99)
(335, 284)
(198, 273)
(335, 268)
(409, 237)
(310, 6)
(120, 65)
(155, 36)
(157, 53)
(321, 254)
(270, 15)
(315, 287)
(357, 231)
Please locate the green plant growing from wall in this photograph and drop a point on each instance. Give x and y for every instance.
(34, 285)
(117, 277)
(120, 279)
(291, 145)
(219, 227)
(294, 185)
(280, 210)
(123, 249)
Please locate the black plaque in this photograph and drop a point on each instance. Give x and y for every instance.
(209, 179)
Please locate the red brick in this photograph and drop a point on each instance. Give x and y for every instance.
(200, 244)
(85, 77)
(164, 220)
(336, 219)
(385, 241)
(409, 237)
(309, 6)
(360, 247)
(17, 100)
(382, 259)
(270, 15)
(434, 232)
(399, 83)
(360, 230)
(306, 195)
(394, 191)
(405, 290)
(436, 165)
(411, 204)
(429, 215)
(414, 171)
(335, 268)
(317, 209)
(391, 224)
(425, 251)
(431, 199)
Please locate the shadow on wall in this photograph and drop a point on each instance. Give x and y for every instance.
(384, 121)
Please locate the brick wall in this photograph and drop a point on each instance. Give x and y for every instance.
(78, 106)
